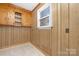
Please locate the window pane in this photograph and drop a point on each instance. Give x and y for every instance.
(45, 12)
(44, 21)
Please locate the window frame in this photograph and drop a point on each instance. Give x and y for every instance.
(49, 15)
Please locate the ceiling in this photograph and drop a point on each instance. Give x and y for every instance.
(28, 6)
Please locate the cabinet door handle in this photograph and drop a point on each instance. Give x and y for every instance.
(67, 30)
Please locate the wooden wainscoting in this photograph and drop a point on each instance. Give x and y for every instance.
(45, 39)
(10, 36)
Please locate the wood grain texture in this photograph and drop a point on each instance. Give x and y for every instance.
(35, 39)
(45, 39)
(7, 15)
(74, 29)
(26, 15)
(64, 23)
(26, 18)
(54, 30)
(54, 41)
(10, 36)
(4, 13)
(69, 15)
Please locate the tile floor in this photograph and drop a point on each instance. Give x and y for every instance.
(21, 50)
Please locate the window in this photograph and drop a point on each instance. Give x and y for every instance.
(44, 16)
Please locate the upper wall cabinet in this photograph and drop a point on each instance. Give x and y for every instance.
(13, 15)
(22, 17)
(6, 14)
(4, 9)
(27, 18)
(18, 16)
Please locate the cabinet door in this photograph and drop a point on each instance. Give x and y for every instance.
(74, 29)
(26, 18)
(64, 25)
(4, 14)
(11, 15)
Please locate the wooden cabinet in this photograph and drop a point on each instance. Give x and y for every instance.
(8, 13)
(4, 14)
(69, 28)
(26, 18)
(11, 15)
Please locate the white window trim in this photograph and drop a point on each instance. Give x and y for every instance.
(50, 17)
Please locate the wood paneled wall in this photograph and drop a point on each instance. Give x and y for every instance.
(10, 36)
(45, 39)
(64, 24)
(58, 40)
(54, 41)
(74, 29)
